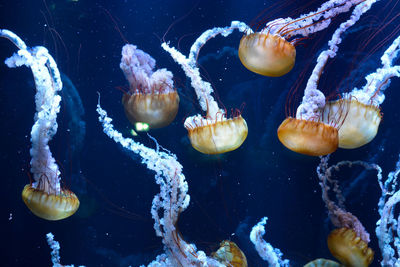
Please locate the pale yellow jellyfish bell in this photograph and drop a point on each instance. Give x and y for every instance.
(157, 110)
(219, 136)
(267, 54)
(359, 122)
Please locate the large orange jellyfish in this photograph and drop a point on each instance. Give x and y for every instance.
(152, 98)
(45, 197)
(216, 133)
(308, 133)
(272, 52)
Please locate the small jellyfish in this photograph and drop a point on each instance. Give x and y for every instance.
(152, 98)
(229, 254)
(322, 263)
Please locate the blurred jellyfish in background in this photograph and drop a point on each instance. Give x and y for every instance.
(77, 129)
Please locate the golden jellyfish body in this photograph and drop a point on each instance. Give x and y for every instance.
(359, 124)
(322, 263)
(156, 109)
(308, 137)
(349, 249)
(49, 206)
(229, 254)
(267, 54)
(218, 136)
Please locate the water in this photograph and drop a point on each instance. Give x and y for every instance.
(229, 193)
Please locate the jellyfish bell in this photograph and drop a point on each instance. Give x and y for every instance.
(360, 121)
(229, 254)
(156, 109)
(313, 138)
(267, 54)
(348, 248)
(50, 206)
(322, 263)
(216, 136)
(152, 98)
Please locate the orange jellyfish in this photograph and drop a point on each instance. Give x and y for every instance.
(308, 133)
(152, 98)
(215, 133)
(271, 52)
(229, 254)
(267, 54)
(217, 136)
(349, 249)
(44, 197)
(349, 241)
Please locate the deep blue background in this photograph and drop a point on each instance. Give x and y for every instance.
(229, 193)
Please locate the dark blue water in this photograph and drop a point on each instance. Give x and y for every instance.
(229, 193)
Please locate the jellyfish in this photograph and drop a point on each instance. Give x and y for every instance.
(348, 242)
(360, 107)
(229, 254)
(307, 133)
(168, 203)
(271, 52)
(215, 133)
(44, 197)
(152, 98)
(322, 263)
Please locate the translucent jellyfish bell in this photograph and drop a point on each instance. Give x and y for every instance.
(229, 254)
(157, 110)
(152, 98)
(360, 122)
(217, 136)
(267, 54)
